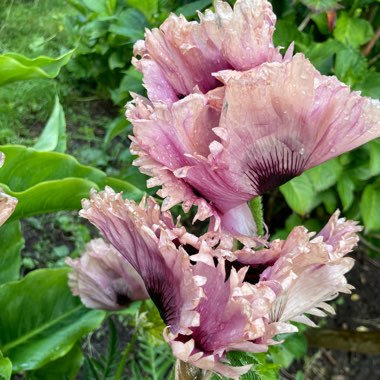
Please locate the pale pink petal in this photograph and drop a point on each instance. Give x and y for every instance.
(104, 279)
(283, 118)
(182, 55)
(231, 318)
(141, 233)
(7, 206)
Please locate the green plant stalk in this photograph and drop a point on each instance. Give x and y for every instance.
(123, 360)
(256, 206)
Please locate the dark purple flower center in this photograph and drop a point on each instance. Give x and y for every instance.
(163, 292)
(274, 169)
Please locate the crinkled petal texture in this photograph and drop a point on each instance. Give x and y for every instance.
(228, 321)
(310, 271)
(7, 203)
(182, 55)
(141, 233)
(264, 127)
(280, 119)
(103, 279)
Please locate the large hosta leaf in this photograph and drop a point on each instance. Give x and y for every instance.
(15, 67)
(64, 368)
(11, 243)
(50, 181)
(40, 320)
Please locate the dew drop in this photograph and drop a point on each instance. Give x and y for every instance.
(302, 151)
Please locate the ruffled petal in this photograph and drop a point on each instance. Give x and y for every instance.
(142, 234)
(182, 55)
(283, 118)
(103, 279)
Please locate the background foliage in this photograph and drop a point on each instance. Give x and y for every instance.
(65, 75)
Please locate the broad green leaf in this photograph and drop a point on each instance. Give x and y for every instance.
(64, 368)
(321, 5)
(15, 67)
(300, 195)
(261, 369)
(190, 9)
(370, 207)
(26, 167)
(11, 243)
(130, 23)
(352, 31)
(41, 320)
(5, 368)
(346, 188)
(148, 7)
(325, 175)
(330, 200)
(53, 136)
(51, 196)
(321, 54)
(102, 7)
(131, 82)
(374, 157)
(350, 66)
(370, 86)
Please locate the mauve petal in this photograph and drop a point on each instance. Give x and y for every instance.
(182, 55)
(272, 136)
(141, 233)
(7, 203)
(307, 272)
(228, 321)
(7, 206)
(104, 279)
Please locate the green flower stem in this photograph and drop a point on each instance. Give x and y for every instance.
(256, 206)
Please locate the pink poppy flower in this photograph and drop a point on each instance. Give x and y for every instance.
(103, 279)
(181, 56)
(221, 300)
(265, 126)
(205, 314)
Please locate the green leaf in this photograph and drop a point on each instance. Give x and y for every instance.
(370, 86)
(321, 54)
(5, 368)
(102, 7)
(51, 196)
(190, 9)
(350, 66)
(346, 188)
(41, 320)
(53, 136)
(374, 157)
(321, 5)
(15, 67)
(130, 23)
(50, 181)
(352, 31)
(115, 128)
(11, 243)
(64, 368)
(370, 207)
(148, 7)
(325, 175)
(261, 369)
(300, 195)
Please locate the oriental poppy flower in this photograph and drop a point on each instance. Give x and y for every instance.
(219, 300)
(104, 279)
(219, 129)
